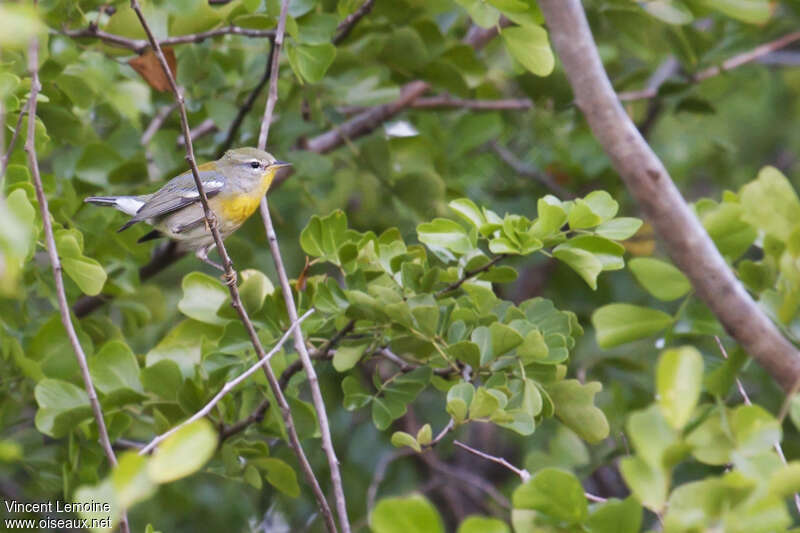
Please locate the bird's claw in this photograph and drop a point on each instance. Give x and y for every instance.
(229, 278)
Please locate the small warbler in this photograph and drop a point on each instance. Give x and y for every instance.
(234, 185)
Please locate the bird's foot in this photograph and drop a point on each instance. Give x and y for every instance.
(202, 255)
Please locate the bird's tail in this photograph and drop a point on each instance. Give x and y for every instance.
(127, 204)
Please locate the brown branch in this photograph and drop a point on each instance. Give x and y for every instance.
(523, 474)
(141, 45)
(347, 25)
(450, 102)
(685, 239)
(248, 103)
(291, 308)
(729, 64)
(529, 172)
(236, 301)
(202, 129)
(469, 274)
(55, 263)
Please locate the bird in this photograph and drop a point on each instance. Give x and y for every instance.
(234, 186)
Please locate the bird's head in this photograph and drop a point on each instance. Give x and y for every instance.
(252, 162)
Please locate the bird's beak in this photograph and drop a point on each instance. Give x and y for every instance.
(280, 164)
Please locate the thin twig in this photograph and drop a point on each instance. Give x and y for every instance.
(469, 274)
(229, 386)
(248, 103)
(347, 25)
(406, 366)
(13, 141)
(729, 64)
(524, 170)
(230, 274)
(291, 309)
(747, 401)
(523, 474)
(202, 129)
(141, 45)
(55, 263)
(157, 121)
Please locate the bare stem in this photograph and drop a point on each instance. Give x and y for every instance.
(651, 186)
(13, 141)
(55, 263)
(299, 342)
(469, 274)
(236, 301)
(729, 64)
(523, 474)
(347, 25)
(229, 386)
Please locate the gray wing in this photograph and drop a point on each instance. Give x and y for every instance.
(176, 194)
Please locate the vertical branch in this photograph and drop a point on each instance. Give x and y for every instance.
(55, 263)
(230, 274)
(649, 183)
(291, 308)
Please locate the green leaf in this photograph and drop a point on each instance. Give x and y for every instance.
(466, 352)
(62, 406)
(401, 438)
(183, 344)
(87, 273)
(615, 516)
(469, 212)
(280, 475)
(754, 429)
(130, 479)
(254, 289)
(410, 514)
(534, 348)
(322, 237)
(347, 355)
(608, 252)
(397, 394)
(555, 493)
(18, 23)
(651, 436)
(619, 229)
(712, 442)
(184, 452)
(649, 484)
(310, 61)
(317, 28)
(163, 378)
(574, 405)
(770, 202)
(203, 296)
(659, 278)
(484, 404)
(504, 339)
(446, 234)
(584, 263)
(679, 377)
(482, 337)
(425, 435)
(355, 394)
(115, 373)
(669, 11)
(597, 207)
(617, 324)
(482, 524)
(530, 46)
(481, 12)
(750, 11)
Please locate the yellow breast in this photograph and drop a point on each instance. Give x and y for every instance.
(235, 209)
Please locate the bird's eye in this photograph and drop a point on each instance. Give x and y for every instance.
(255, 164)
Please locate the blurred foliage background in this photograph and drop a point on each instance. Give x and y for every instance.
(714, 135)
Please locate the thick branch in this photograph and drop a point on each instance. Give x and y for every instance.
(236, 301)
(55, 263)
(686, 240)
(291, 309)
(445, 101)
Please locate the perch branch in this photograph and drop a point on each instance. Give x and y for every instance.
(685, 239)
(55, 263)
(291, 309)
(228, 387)
(230, 274)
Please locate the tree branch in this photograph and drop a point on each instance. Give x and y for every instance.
(236, 301)
(729, 64)
(469, 274)
(13, 141)
(523, 474)
(55, 263)
(347, 25)
(229, 386)
(450, 102)
(291, 309)
(650, 184)
(141, 45)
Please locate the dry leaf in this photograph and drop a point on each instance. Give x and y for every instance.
(149, 68)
